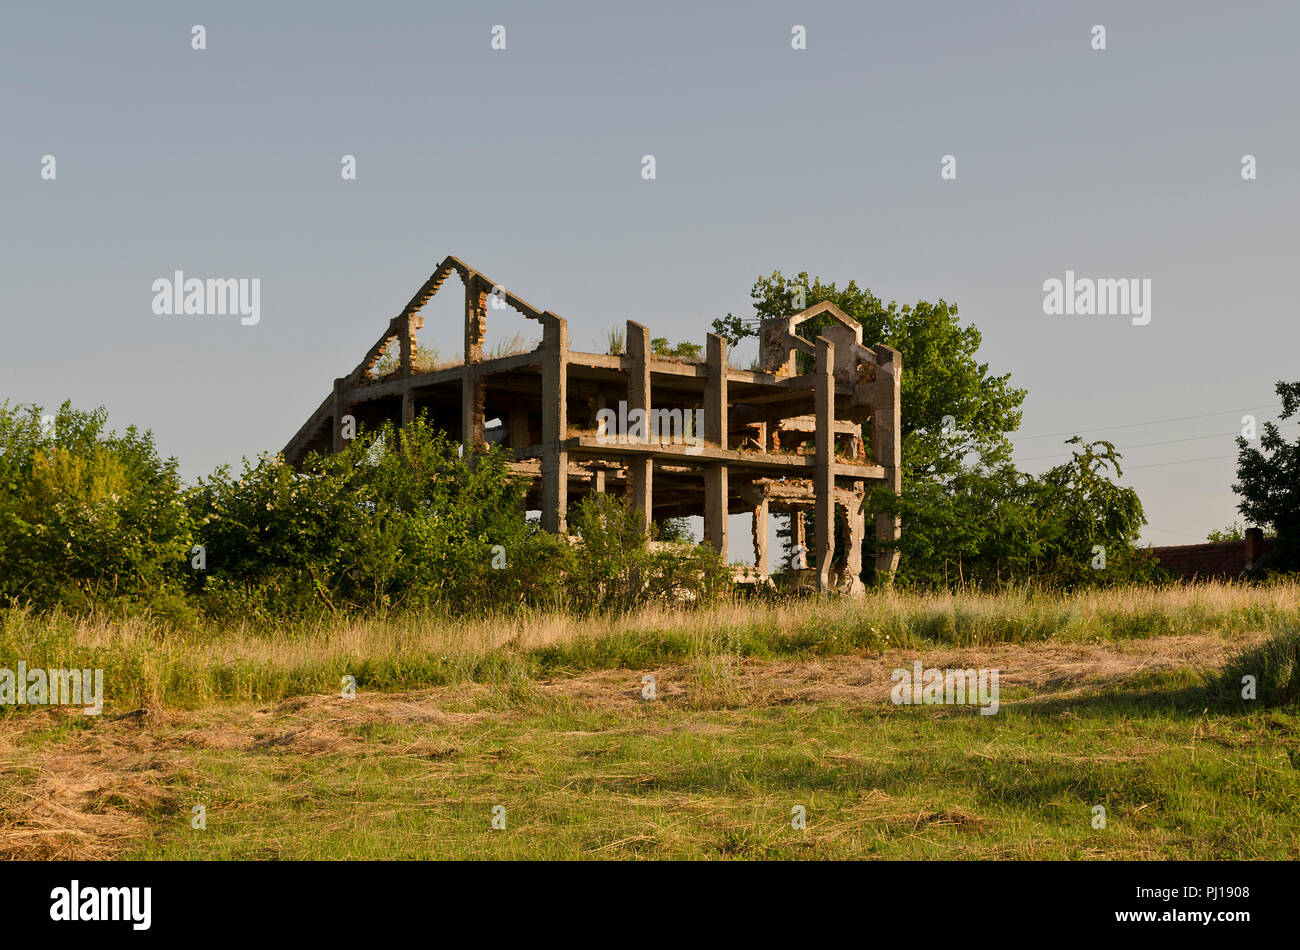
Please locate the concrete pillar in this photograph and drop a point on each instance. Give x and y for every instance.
(760, 538)
(517, 426)
(640, 469)
(408, 407)
(406, 354)
(715, 393)
(716, 489)
(771, 347)
(887, 451)
(715, 506)
(824, 470)
(475, 319)
(471, 392)
(798, 533)
(472, 398)
(856, 520)
(555, 423)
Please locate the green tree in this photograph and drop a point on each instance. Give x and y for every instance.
(1234, 532)
(943, 380)
(1268, 483)
(956, 416)
(1084, 513)
(984, 527)
(968, 515)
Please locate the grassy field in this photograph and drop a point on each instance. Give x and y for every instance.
(1107, 698)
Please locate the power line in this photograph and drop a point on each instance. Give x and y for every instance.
(1151, 422)
(1210, 458)
(1142, 445)
(1125, 448)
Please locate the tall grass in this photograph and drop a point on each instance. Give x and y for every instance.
(1273, 668)
(148, 661)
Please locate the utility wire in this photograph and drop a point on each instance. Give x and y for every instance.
(1150, 422)
(1210, 458)
(1142, 445)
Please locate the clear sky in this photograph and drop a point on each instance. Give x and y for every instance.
(526, 163)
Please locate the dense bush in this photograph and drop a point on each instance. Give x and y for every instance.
(401, 518)
(85, 516)
(616, 566)
(398, 518)
(988, 527)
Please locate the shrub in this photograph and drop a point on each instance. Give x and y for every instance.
(86, 517)
(401, 518)
(615, 566)
(398, 518)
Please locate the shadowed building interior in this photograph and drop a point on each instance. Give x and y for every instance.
(713, 439)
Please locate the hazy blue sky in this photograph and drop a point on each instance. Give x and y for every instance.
(526, 164)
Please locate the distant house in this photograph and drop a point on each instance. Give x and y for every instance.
(1222, 560)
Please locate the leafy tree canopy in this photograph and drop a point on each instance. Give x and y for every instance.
(954, 410)
(1268, 483)
(968, 514)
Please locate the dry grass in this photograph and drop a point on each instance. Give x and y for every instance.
(147, 662)
(77, 787)
(1086, 611)
(85, 798)
(1028, 669)
(91, 787)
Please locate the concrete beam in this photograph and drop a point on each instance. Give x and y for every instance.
(591, 446)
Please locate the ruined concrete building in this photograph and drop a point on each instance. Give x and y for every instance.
(772, 441)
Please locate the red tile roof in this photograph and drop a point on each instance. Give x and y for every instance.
(1223, 560)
